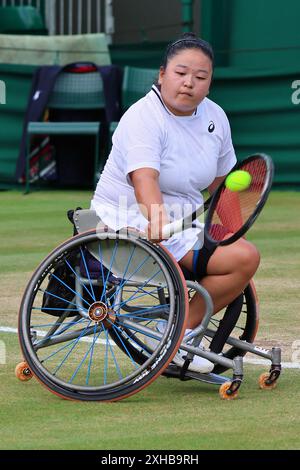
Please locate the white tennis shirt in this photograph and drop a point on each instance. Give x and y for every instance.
(189, 152)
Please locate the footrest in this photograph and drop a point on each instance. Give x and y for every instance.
(174, 371)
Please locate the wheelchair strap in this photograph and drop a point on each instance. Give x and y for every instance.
(200, 260)
(227, 324)
(184, 368)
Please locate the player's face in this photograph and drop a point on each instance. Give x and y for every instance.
(185, 81)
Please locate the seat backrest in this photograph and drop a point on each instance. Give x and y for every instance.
(85, 219)
(137, 82)
(77, 91)
(21, 20)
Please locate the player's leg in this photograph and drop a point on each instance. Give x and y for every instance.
(229, 271)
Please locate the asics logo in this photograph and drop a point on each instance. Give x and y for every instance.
(211, 126)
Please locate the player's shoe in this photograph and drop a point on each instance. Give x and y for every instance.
(198, 364)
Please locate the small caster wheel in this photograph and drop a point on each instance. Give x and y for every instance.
(227, 394)
(23, 372)
(263, 382)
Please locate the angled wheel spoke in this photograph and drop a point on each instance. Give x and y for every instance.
(90, 293)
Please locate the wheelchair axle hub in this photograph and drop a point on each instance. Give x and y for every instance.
(98, 312)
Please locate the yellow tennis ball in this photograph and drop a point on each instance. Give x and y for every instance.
(238, 180)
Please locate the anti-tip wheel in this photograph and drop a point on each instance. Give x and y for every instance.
(262, 382)
(23, 372)
(224, 394)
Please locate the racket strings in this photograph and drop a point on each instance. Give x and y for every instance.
(234, 209)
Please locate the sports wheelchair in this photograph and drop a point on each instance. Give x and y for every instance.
(91, 304)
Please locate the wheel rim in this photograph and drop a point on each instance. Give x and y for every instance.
(74, 353)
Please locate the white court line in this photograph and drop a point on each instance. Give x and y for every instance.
(258, 362)
(6, 329)
(265, 362)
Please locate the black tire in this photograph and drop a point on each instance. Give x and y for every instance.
(73, 356)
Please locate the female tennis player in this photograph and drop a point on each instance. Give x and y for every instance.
(168, 147)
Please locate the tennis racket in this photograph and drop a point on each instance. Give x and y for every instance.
(230, 214)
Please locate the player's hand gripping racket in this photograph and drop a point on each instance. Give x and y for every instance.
(230, 214)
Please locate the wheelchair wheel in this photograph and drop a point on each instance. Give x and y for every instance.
(245, 328)
(87, 312)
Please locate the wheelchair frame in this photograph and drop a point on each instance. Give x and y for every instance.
(105, 311)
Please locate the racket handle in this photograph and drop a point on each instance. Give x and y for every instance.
(178, 226)
(174, 227)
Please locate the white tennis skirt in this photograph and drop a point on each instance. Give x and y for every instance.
(179, 244)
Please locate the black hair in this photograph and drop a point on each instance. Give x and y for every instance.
(187, 41)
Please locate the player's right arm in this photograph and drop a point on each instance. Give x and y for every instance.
(149, 197)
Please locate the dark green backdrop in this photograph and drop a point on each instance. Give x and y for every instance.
(17, 79)
(257, 48)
